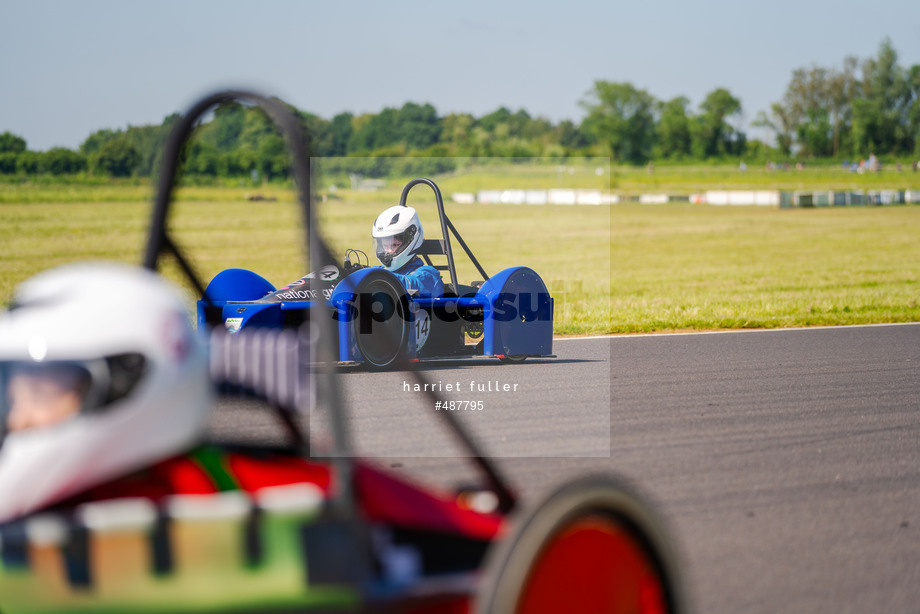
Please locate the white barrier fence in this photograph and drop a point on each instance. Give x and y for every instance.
(538, 197)
(766, 198)
(762, 198)
(823, 198)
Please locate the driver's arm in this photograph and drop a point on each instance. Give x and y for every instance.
(426, 280)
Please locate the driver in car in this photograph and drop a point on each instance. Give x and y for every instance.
(87, 395)
(398, 235)
(40, 397)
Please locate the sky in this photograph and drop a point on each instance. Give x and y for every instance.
(69, 68)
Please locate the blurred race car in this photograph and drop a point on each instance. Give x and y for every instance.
(377, 321)
(233, 526)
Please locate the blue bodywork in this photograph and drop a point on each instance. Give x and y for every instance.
(510, 314)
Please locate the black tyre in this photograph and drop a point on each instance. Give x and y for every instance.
(514, 359)
(591, 546)
(382, 323)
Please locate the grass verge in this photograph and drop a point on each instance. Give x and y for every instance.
(620, 269)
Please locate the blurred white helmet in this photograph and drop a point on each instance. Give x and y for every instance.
(397, 236)
(100, 375)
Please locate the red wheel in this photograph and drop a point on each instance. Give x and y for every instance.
(592, 565)
(591, 547)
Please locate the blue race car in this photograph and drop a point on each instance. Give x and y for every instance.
(378, 322)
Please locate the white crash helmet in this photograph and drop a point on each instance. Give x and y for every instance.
(397, 236)
(120, 338)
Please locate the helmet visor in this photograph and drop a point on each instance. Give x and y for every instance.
(37, 395)
(390, 247)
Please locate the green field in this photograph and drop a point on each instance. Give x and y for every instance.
(618, 269)
(684, 179)
(678, 179)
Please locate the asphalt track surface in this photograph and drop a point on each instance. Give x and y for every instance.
(786, 464)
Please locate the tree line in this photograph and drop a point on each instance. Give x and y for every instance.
(863, 107)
